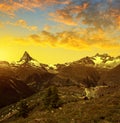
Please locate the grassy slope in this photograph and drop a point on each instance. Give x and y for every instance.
(103, 110)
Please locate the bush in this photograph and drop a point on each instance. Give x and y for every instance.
(51, 98)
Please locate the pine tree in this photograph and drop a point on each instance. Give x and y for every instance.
(51, 98)
(23, 109)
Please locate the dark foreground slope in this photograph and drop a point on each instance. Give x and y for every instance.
(12, 90)
(100, 110)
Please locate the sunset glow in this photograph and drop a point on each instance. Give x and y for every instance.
(59, 31)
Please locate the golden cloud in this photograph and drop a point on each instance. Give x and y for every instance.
(47, 28)
(44, 38)
(22, 23)
(35, 38)
(73, 39)
(1, 24)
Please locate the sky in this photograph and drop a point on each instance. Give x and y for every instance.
(59, 31)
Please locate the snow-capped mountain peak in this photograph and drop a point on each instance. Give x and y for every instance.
(27, 59)
(105, 60)
(99, 60)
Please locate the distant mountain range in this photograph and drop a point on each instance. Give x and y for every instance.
(27, 76)
(99, 60)
(102, 60)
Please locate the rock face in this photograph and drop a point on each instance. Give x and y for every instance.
(95, 92)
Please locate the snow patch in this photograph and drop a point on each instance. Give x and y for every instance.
(97, 60)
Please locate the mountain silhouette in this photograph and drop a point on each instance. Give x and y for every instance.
(26, 57)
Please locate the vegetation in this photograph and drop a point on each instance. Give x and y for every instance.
(24, 110)
(51, 98)
(105, 109)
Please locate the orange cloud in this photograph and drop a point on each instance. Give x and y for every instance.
(10, 6)
(63, 17)
(116, 15)
(22, 23)
(118, 21)
(66, 15)
(76, 9)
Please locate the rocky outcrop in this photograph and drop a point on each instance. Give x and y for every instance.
(95, 92)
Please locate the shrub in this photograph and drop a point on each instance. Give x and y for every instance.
(24, 110)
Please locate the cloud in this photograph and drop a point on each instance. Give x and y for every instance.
(67, 15)
(44, 38)
(102, 14)
(1, 24)
(118, 21)
(116, 15)
(76, 40)
(11, 6)
(22, 23)
(62, 17)
(92, 23)
(47, 28)
(35, 37)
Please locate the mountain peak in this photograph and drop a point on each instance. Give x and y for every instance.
(26, 57)
(102, 55)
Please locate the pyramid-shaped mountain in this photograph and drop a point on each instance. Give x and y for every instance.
(26, 57)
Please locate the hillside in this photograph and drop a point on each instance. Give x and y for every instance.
(111, 78)
(75, 110)
(34, 77)
(76, 74)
